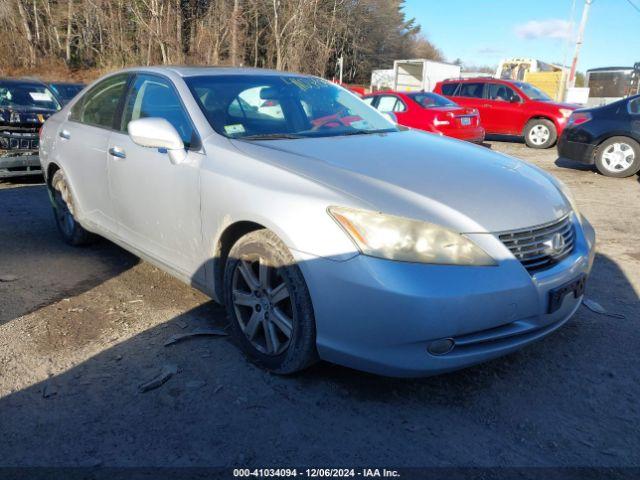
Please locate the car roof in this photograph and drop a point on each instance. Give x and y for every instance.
(67, 83)
(194, 71)
(21, 81)
(481, 79)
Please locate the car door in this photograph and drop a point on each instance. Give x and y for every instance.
(157, 203)
(502, 110)
(82, 147)
(470, 94)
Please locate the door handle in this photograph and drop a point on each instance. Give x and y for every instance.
(117, 152)
(64, 134)
(486, 105)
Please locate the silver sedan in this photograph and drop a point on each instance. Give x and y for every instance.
(326, 230)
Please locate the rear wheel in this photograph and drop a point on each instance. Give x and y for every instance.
(63, 210)
(269, 304)
(618, 157)
(540, 133)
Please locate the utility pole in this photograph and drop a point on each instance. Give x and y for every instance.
(340, 67)
(583, 24)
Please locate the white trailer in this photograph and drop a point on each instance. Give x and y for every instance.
(382, 79)
(420, 74)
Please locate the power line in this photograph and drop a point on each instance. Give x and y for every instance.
(634, 5)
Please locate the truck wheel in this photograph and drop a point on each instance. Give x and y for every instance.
(618, 157)
(540, 133)
(63, 211)
(269, 304)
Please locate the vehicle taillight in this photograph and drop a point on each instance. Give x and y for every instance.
(578, 118)
(443, 120)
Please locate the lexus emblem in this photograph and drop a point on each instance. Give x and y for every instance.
(555, 244)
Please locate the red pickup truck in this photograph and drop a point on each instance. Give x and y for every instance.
(511, 108)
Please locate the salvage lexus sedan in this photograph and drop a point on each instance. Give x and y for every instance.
(326, 230)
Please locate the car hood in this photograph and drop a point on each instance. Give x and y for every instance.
(461, 186)
(556, 105)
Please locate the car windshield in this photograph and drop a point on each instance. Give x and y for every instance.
(431, 100)
(20, 95)
(257, 107)
(532, 92)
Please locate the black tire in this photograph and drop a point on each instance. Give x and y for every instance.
(540, 133)
(258, 249)
(63, 212)
(628, 147)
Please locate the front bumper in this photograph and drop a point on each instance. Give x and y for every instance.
(19, 165)
(381, 316)
(474, 134)
(576, 151)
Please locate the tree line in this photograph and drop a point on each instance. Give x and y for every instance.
(297, 35)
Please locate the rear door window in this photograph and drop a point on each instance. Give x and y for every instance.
(449, 89)
(473, 90)
(389, 103)
(99, 106)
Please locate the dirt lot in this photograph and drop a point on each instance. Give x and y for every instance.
(81, 329)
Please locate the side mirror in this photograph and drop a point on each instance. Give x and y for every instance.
(515, 99)
(158, 133)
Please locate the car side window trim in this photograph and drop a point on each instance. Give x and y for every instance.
(117, 112)
(196, 145)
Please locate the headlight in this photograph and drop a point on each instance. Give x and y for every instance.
(403, 239)
(565, 112)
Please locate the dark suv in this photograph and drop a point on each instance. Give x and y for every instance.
(24, 106)
(511, 108)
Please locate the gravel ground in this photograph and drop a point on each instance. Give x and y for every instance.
(81, 329)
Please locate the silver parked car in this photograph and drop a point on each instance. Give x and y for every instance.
(326, 230)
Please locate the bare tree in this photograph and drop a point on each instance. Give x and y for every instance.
(299, 35)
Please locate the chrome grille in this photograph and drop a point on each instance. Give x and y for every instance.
(535, 247)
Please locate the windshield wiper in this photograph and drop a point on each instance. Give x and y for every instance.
(368, 132)
(270, 136)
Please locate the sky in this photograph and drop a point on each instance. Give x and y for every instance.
(481, 32)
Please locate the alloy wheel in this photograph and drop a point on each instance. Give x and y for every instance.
(63, 208)
(263, 305)
(618, 157)
(539, 134)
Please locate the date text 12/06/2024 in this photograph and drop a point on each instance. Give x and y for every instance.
(316, 472)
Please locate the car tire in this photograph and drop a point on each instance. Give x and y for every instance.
(269, 305)
(540, 133)
(63, 212)
(618, 157)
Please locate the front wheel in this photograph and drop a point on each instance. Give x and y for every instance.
(540, 133)
(63, 210)
(269, 305)
(618, 157)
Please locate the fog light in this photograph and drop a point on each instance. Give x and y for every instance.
(442, 346)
